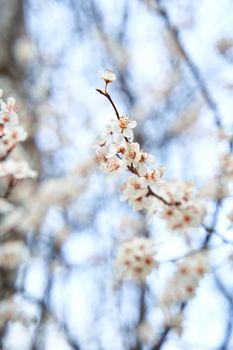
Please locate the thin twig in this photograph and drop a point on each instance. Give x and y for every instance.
(175, 34)
(110, 100)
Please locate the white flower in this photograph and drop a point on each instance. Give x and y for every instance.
(110, 163)
(185, 209)
(113, 164)
(105, 137)
(141, 203)
(135, 191)
(153, 176)
(135, 258)
(117, 147)
(184, 283)
(132, 154)
(15, 135)
(10, 131)
(124, 126)
(135, 187)
(9, 119)
(137, 158)
(183, 217)
(108, 76)
(143, 162)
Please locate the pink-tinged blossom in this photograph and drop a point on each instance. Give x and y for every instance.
(182, 286)
(132, 154)
(14, 136)
(117, 148)
(135, 187)
(124, 127)
(153, 176)
(135, 258)
(9, 119)
(109, 163)
(185, 209)
(10, 131)
(185, 216)
(137, 158)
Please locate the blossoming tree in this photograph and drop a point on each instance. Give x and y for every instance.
(128, 246)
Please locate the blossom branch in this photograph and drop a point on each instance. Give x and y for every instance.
(130, 167)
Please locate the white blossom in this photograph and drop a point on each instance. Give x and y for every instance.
(124, 126)
(135, 258)
(185, 209)
(185, 281)
(108, 76)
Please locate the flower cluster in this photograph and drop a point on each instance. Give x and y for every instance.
(137, 192)
(10, 134)
(117, 151)
(13, 252)
(10, 131)
(145, 188)
(185, 209)
(135, 258)
(184, 283)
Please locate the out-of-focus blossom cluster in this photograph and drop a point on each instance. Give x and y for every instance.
(216, 188)
(10, 134)
(10, 131)
(187, 210)
(135, 258)
(184, 283)
(13, 250)
(60, 191)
